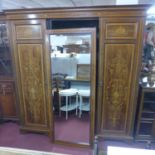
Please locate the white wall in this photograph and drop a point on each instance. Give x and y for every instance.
(63, 63)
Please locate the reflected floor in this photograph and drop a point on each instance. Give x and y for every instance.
(74, 129)
(10, 136)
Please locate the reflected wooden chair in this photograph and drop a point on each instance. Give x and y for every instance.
(84, 105)
(58, 83)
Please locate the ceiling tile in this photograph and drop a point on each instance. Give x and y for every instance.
(104, 2)
(46, 3)
(15, 4)
(146, 1)
(83, 2)
(21, 3)
(62, 3)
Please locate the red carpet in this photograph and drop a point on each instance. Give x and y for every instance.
(11, 137)
(74, 129)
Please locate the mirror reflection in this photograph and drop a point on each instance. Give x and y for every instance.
(70, 74)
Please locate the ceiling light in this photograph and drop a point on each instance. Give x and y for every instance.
(33, 22)
(31, 16)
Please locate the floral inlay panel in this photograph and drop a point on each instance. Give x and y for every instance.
(32, 78)
(119, 62)
(121, 30)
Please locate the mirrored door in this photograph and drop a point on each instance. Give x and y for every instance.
(73, 67)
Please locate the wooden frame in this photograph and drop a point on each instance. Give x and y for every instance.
(92, 32)
(83, 71)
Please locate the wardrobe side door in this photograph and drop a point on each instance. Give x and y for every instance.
(31, 71)
(118, 73)
(32, 79)
(117, 80)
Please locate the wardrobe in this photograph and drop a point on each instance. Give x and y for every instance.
(120, 38)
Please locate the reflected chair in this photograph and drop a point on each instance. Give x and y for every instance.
(69, 103)
(84, 105)
(58, 83)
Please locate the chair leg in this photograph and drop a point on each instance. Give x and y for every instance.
(80, 112)
(59, 105)
(76, 105)
(95, 150)
(66, 107)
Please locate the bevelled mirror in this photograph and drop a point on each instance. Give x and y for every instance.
(73, 66)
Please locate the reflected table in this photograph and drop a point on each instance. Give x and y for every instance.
(84, 106)
(68, 93)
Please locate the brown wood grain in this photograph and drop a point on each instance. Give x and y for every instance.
(8, 100)
(121, 30)
(81, 12)
(32, 88)
(32, 77)
(131, 20)
(28, 32)
(119, 68)
(117, 79)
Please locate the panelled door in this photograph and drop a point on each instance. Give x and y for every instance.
(118, 71)
(31, 71)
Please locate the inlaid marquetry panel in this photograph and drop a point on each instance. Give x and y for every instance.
(117, 81)
(121, 30)
(32, 80)
(28, 32)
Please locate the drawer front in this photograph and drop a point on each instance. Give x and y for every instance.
(6, 87)
(8, 100)
(8, 106)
